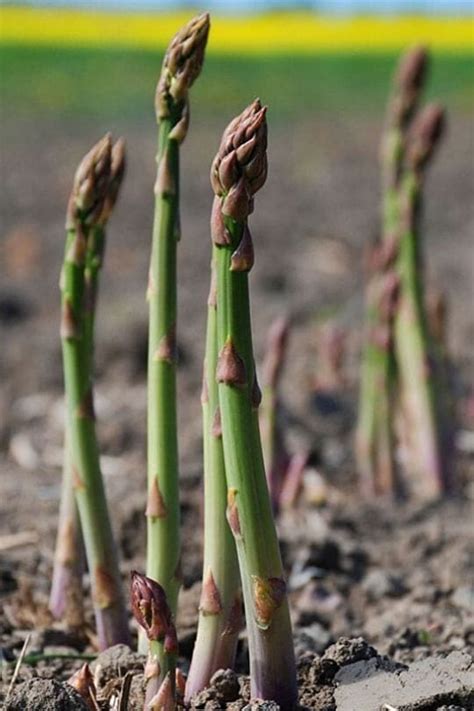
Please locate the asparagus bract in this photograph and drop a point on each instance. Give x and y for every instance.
(220, 609)
(85, 206)
(181, 66)
(238, 172)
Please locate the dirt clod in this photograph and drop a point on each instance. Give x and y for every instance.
(45, 695)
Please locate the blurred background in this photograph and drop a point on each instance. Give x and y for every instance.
(72, 71)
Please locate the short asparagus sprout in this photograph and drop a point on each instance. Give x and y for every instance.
(238, 172)
(66, 601)
(181, 66)
(220, 609)
(85, 207)
(83, 682)
(151, 610)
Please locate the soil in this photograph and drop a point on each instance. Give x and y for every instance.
(377, 590)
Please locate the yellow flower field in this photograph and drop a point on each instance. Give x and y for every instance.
(302, 33)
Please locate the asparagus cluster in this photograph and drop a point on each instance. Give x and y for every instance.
(181, 66)
(94, 192)
(395, 371)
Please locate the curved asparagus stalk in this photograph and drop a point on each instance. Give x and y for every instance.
(152, 612)
(238, 172)
(411, 328)
(375, 428)
(275, 456)
(220, 613)
(181, 66)
(85, 206)
(66, 600)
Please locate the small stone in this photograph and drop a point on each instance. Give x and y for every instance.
(464, 597)
(347, 651)
(379, 584)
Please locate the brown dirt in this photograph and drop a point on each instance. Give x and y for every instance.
(397, 575)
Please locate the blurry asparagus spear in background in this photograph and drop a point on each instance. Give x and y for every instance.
(419, 391)
(239, 170)
(66, 599)
(220, 609)
(275, 456)
(86, 203)
(181, 66)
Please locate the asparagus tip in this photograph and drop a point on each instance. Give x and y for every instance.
(239, 169)
(182, 64)
(91, 182)
(150, 607)
(412, 69)
(427, 130)
(83, 681)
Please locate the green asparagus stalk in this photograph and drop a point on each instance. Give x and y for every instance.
(418, 390)
(238, 172)
(66, 601)
(66, 598)
(375, 429)
(275, 456)
(220, 609)
(181, 66)
(152, 612)
(85, 207)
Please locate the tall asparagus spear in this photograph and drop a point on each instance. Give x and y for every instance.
(418, 391)
(238, 172)
(66, 600)
(220, 614)
(181, 66)
(151, 611)
(85, 207)
(375, 429)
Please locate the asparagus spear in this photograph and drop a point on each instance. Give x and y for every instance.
(275, 456)
(238, 172)
(85, 206)
(66, 601)
(220, 606)
(181, 66)
(152, 612)
(412, 346)
(375, 428)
